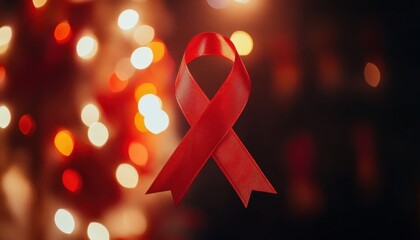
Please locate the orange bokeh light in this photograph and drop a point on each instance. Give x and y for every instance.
(27, 125)
(62, 32)
(139, 123)
(64, 142)
(138, 153)
(72, 180)
(158, 49)
(372, 74)
(116, 84)
(143, 89)
(2, 74)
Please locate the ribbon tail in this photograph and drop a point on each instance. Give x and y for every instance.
(240, 169)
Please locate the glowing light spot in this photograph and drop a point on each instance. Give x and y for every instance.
(2, 75)
(62, 32)
(138, 153)
(123, 69)
(127, 175)
(144, 89)
(372, 74)
(90, 114)
(39, 3)
(148, 104)
(72, 180)
(64, 221)
(128, 19)
(98, 134)
(26, 125)
(87, 47)
(5, 35)
(64, 142)
(218, 4)
(116, 84)
(243, 42)
(144, 34)
(139, 123)
(157, 122)
(97, 231)
(3, 48)
(158, 49)
(242, 1)
(125, 222)
(142, 57)
(5, 117)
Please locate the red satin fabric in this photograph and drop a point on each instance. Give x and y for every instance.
(211, 123)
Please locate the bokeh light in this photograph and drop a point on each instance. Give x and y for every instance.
(2, 75)
(158, 49)
(97, 231)
(123, 69)
(64, 221)
(127, 175)
(218, 4)
(148, 104)
(143, 89)
(372, 74)
(144, 34)
(26, 125)
(5, 38)
(142, 57)
(139, 123)
(5, 116)
(242, 1)
(98, 134)
(126, 222)
(39, 3)
(64, 142)
(128, 19)
(87, 47)
(157, 122)
(116, 84)
(62, 32)
(72, 180)
(243, 42)
(90, 114)
(138, 153)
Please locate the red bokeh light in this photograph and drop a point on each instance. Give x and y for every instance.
(72, 180)
(26, 125)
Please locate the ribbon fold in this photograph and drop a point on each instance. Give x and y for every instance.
(211, 124)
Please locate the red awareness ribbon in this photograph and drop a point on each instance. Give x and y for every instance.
(211, 123)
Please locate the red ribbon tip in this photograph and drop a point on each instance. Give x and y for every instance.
(211, 132)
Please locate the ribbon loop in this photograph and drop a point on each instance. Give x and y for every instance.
(211, 124)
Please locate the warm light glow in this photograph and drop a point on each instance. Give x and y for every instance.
(26, 125)
(158, 49)
(5, 117)
(144, 89)
(64, 221)
(123, 69)
(139, 123)
(39, 3)
(90, 114)
(98, 134)
(148, 104)
(2, 75)
(97, 231)
(242, 1)
(243, 42)
(157, 122)
(116, 84)
(62, 32)
(64, 142)
(128, 19)
(87, 47)
(3, 48)
(144, 34)
(372, 74)
(142, 57)
(5, 35)
(126, 222)
(218, 4)
(72, 180)
(127, 175)
(138, 153)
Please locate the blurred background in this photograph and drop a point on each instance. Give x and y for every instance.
(88, 117)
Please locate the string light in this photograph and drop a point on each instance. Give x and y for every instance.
(97, 231)
(127, 175)
(123, 69)
(39, 3)
(243, 42)
(144, 34)
(87, 47)
(98, 134)
(5, 116)
(26, 125)
(158, 49)
(90, 114)
(64, 142)
(64, 221)
(128, 19)
(72, 180)
(62, 32)
(157, 122)
(372, 74)
(138, 153)
(142, 57)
